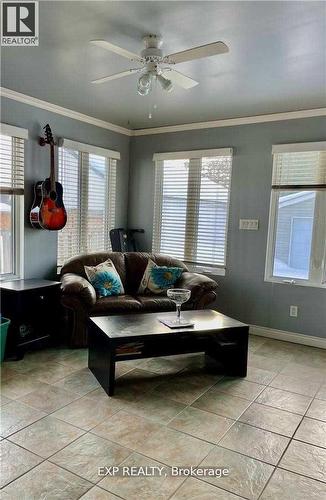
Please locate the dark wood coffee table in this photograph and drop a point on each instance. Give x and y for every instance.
(134, 336)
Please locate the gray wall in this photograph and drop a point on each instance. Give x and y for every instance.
(242, 293)
(41, 246)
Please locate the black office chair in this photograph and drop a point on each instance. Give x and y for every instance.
(123, 240)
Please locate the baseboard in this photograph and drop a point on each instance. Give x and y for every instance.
(296, 338)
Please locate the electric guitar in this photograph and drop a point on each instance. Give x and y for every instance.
(48, 211)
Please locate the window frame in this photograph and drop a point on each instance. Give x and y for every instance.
(17, 212)
(317, 276)
(195, 155)
(84, 151)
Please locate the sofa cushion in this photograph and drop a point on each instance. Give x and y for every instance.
(117, 304)
(152, 303)
(105, 279)
(76, 264)
(158, 279)
(136, 263)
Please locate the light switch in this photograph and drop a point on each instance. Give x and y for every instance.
(249, 224)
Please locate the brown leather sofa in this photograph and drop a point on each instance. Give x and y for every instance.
(79, 297)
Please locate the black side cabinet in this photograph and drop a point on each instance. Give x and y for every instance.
(33, 307)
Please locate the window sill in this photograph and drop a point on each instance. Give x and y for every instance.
(211, 271)
(293, 282)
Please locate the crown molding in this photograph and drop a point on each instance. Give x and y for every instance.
(75, 115)
(228, 122)
(231, 122)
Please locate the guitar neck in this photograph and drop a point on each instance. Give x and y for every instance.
(52, 171)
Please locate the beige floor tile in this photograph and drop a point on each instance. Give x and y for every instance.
(284, 400)
(321, 394)
(175, 448)
(193, 489)
(4, 401)
(156, 487)
(51, 372)
(270, 363)
(85, 455)
(317, 410)
(127, 429)
(14, 461)
(222, 404)
(7, 371)
(283, 351)
(254, 342)
(312, 431)
(240, 388)
(259, 375)
(49, 399)
(47, 436)
(201, 424)
(80, 382)
(15, 416)
(136, 382)
(97, 493)
(47, 481)
(303, 371)
(256, 443)
(305, 459)
(186, 387)
(87, 413)
(311, 356)
(20, 385)
(293, 384)
(271, 419)
(77, 358)
(121, 369)
(155, 408)
(247, 476)
(162, 365)
(289, 486)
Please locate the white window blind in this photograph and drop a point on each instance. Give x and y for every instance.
(11, 200)
(89, 184)
(191, 206)
(296, 249)
(11, 165)
(306, 169)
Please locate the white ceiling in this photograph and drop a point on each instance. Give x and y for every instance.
(277, 59)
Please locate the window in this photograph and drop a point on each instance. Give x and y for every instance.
(192, 191)
(11, 201)
(297, 227)
(88, 176)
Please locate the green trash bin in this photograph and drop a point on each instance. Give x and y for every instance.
(3, 336)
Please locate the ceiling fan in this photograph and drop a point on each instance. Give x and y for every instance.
(156, 66)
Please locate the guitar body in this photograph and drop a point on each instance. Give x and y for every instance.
(52, 214)
(48, 211)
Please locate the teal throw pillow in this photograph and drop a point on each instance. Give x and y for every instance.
(105, 279)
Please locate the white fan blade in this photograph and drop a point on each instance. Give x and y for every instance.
(212, 49)
(116, 76)
(117, 50)
(179, 78)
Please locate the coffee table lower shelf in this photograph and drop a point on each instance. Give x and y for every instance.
(227, 344)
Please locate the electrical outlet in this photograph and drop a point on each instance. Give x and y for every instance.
(294, 311)
(248, 224)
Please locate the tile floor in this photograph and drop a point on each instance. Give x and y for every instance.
(58, 426)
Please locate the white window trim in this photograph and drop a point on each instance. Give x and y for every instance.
(18, 212)
(318, 246)
(199, 153)
(88, 148)
(213, 270)
(10, 130)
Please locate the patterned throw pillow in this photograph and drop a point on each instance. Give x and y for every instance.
(105, 279)
(157, 279)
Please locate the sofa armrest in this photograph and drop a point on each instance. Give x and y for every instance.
(198, 284)
(75, 285)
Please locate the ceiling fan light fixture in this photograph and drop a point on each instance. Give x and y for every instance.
(145, 84)
(165, 83)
